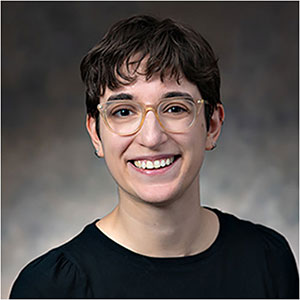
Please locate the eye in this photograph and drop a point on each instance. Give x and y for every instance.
(123, 112)
(176, 109)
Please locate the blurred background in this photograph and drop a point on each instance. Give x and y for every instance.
(53, 185)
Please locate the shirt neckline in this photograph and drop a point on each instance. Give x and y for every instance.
(106, 241)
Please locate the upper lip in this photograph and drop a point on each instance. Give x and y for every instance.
(153, 157)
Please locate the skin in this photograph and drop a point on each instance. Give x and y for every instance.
(159, 214)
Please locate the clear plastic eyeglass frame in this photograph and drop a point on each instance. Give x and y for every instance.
(102, 108)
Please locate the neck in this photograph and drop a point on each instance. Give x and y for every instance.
(177, 228)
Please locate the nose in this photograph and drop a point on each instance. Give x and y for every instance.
(151, 135)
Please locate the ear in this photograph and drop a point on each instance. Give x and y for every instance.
(91, 128)
(215, 126)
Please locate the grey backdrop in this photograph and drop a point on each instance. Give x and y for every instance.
(53, 185)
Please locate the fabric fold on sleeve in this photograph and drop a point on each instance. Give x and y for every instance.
(52, 275)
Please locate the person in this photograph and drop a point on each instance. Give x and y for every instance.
(153, 110)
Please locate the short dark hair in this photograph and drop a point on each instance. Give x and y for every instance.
(169, 49)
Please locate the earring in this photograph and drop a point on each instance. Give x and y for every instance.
(214, 145)
(96, 153)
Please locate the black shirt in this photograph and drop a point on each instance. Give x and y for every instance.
(245, 261)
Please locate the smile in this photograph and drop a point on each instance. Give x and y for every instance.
(154, 164)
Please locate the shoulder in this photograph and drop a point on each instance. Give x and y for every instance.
(246, 233)
(262, 251)
(59, 273)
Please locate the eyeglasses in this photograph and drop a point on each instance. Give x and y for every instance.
(126, 117)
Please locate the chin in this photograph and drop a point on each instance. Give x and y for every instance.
(156, 196)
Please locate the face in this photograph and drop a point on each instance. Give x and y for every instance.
(178, 155)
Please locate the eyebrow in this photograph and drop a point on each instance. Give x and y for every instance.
(121, 96)
(125, 96)
(177, 94)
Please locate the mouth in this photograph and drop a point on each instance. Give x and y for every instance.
(161, 163)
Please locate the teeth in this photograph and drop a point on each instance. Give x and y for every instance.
(148, 164)
(156, 164)
(138, 163)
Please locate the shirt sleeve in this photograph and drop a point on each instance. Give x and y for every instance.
(281, 265)
(52, 275)
(284, 272)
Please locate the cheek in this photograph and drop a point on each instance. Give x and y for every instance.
(109, 140)
(195, 144)
(196, 137)
(113, 146)
(113, 150)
